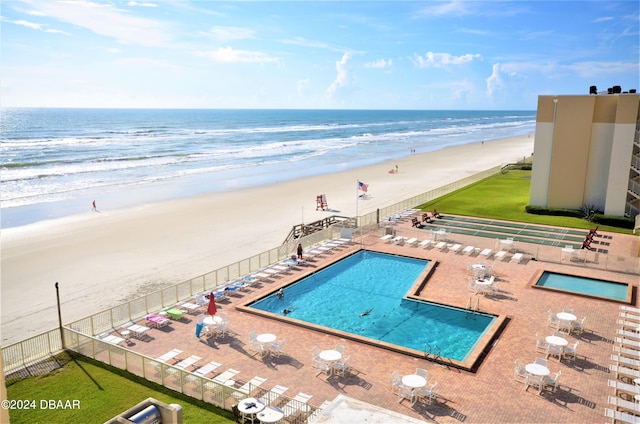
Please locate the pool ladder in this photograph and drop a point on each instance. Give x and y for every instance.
(431, 352)
(472, 311)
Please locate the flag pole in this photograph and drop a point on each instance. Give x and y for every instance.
(357, 188)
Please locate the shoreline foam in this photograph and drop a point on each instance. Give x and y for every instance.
(103, 259)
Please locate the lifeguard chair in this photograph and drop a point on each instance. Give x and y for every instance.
(321, 202)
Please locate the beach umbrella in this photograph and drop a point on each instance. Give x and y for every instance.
(212, 309)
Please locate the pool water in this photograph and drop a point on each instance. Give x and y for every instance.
(364, 294)
(583, 285)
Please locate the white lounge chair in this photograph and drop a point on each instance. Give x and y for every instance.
(250, 385)
(111, 339)
(273, 395)
(399, 240)
(621, 416)
(226, 376)
(517, 257)
(620, 370)
(191, 361)
(620, 386)
(634, 363)
(297, 404)
(500, 255)
(210, 367)
(387, 238)
(455, 248)
(468, 249)
(412, 241)
(441, 245)
(171, 355)
(628, 334)
(627, 342)
(425, 243)
(486, 252)
(630, 309)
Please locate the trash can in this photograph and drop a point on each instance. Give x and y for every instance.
(388, 231)
(199, 326)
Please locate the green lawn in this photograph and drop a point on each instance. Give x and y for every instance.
(504, 196)
(103, 393)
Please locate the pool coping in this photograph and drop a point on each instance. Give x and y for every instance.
(473, 359)
(538, 274)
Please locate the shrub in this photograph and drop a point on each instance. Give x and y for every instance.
(541, 210)
(614, 221)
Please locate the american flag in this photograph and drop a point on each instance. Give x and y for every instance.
(362, 186)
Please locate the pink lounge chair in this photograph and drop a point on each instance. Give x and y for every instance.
(157, 321)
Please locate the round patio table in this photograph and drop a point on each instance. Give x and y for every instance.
(557, 340)
(537, 369)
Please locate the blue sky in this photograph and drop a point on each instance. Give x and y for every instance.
(313, 55)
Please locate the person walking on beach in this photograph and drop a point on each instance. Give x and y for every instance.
(299, 251)
(93, 208)
(396, 169)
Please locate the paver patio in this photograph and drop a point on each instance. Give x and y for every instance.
(489, 394)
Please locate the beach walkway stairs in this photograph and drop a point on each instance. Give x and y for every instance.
(302, 230)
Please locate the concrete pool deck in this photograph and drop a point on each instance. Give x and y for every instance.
(489, 394)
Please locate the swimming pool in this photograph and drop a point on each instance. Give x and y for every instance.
(364, 294)
(584, 286)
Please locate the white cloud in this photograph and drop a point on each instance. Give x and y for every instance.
(224, 33)
(442, 60)
(106, 20)
(302, 86)
(229, 55)
(343, 80)
(135, 3)
(379, 64)
(457, 8)
(38, 27)
(494, 81)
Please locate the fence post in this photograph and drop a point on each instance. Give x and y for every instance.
(60, 317)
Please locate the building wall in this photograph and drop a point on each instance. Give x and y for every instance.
(583, 150)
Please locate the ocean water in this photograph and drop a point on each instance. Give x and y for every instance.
(61, 158)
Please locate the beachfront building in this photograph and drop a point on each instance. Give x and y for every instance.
(587, 152)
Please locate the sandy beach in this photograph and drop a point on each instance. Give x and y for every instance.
(101, 259)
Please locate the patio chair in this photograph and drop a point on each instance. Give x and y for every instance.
(541, 361)
(406, 392)
(321, 366)
(554, 350)
(277, 348)
(552, 319)
(519, 373)
(396, 382)
(428, 394)
(578, 326)
(342, 367)
(570, 351)
(567, 310)
(552, 381)
(541, 344)
(340, 349)
(535, 381)
(564, 326)
(191, 361)
(422, 373)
